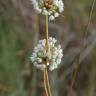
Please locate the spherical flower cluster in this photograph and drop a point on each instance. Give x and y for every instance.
(52, 8)
(54, 54)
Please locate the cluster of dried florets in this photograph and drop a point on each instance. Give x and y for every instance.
(54, 54)
(52, 8)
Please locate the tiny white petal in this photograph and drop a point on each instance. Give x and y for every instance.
(39, 60)
(51, 18)
(56, 14)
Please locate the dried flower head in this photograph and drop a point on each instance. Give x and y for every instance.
(54, 54)
(52, 8)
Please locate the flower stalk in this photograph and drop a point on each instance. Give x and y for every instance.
(46, 33)
(45, 84)
(46, 76)
(47, 54)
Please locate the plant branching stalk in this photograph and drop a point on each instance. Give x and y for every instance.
(49, 88)
(46, 77)
(45, 86)
(76, 66)
(46, 33)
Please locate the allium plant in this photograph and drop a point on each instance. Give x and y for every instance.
(52, 8)
(54, 54)
(47, 54)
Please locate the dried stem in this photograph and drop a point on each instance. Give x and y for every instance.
(46, 77)
(45, 84)
(76, 66)
(49, 88)
(46, 34)
(75, 71)
(90, 16)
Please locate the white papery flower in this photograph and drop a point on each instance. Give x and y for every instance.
(48, 7)
(56, 14)
(54, 54)
(51, 18)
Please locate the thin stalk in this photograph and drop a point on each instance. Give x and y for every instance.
(75, 71)
(90, 16)
(46, 77)
(46, 34)
(49, 88)
(45, 84)
(83, 47)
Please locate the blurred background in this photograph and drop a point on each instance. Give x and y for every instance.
(20, 30)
